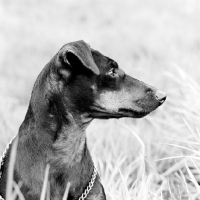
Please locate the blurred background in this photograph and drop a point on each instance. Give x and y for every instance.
(155, 41)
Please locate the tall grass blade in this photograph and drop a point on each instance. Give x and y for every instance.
(45, 183)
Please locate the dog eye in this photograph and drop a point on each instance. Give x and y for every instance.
(112, 72)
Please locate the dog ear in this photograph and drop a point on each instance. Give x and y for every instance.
(78, 53)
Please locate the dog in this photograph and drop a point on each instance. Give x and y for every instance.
(76, 86)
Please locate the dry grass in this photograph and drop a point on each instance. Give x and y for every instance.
(155, 41)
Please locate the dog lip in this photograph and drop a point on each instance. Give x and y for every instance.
(107, 115)
(101, 113)
(133, 113)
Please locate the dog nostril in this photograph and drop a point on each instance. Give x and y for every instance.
(161, 96)
(149, 91)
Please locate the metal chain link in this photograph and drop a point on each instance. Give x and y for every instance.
(90, 185)
(2, 159)
(4, 154)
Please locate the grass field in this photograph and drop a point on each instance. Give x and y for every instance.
(155, 41)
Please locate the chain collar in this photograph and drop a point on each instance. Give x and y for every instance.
(4, 154)
(2, 160)
(84, 194)
(90, 185)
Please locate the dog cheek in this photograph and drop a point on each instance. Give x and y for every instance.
(82, 99)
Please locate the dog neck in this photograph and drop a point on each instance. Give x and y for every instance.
(70, 145)
(72, 159)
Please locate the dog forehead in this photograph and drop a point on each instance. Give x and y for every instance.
(103, 62)
(97, 55)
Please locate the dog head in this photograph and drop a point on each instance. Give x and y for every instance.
(87, 82)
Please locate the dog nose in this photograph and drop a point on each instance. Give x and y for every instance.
(161, 97)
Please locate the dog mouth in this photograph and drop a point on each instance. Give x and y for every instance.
(122, 112)
(133, 113)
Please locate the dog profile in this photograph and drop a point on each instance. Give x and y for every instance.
(78, 85)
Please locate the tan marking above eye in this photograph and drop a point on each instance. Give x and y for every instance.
(114, 64)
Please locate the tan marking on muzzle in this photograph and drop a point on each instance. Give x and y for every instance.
(113, 100)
